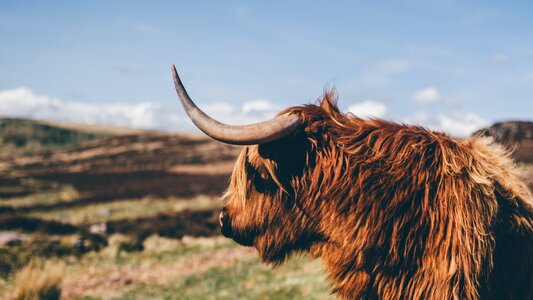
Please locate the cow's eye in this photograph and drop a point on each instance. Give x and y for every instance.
(263, 185)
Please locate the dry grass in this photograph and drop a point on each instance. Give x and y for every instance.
(108, 275)
(189, 268)
(224, 167)
(127, 209)
(60, 194)
(94, 128)
(39, 280)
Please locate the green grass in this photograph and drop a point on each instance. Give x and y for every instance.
(242, 277)
(175, 252)
(26, 137)
(5, 285)
(126, 209)
(65, 193)
(190, 268)
(11, 189)
(299, 279)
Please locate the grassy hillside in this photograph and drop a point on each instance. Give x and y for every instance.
(129, 216)
(27, 137)
(514, 135)
(517, 136)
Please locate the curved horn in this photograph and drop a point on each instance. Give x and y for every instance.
(258, 133)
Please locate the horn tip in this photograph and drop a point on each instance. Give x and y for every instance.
(174, 74)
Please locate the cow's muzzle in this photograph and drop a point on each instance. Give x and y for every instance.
(225, 223)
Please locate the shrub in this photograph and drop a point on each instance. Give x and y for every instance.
(39, 280)
(13, 258)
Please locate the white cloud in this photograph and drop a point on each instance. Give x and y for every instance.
(24, 103)
(259, 106)
(368, 108)
(461, 123)
(458, 123)
(250, 112)
(218, 108)
(427, 95)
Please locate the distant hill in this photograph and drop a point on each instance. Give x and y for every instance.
(20, 137)
(515, 135)
(108, 163)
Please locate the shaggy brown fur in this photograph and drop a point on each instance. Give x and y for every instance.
(394, 211)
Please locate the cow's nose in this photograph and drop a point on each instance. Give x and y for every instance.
(223, 218)
(225, 226)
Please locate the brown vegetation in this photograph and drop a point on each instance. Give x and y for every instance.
(39, 281)
(105, 280)
(515, 136)
(107, 169)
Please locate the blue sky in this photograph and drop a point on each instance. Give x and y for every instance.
(448, 65)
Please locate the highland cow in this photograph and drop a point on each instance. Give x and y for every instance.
(394, 211)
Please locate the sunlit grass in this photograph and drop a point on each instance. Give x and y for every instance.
(5, 285)
(301, 278)
(167, 251)
(39, 280)
(126, 209)
(11, 189)
(61, 194)
(188, 268)
(193, 268)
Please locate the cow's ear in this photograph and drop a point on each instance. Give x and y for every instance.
(290, 156)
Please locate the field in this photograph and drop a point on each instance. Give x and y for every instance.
(102, 213)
